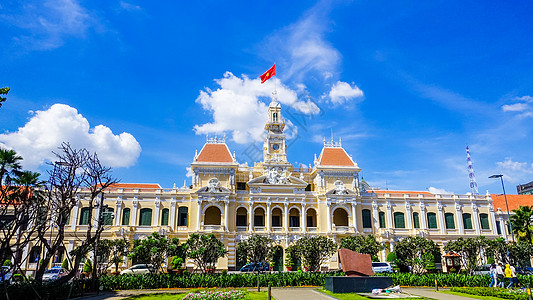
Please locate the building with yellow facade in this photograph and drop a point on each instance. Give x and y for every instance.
(274, 198)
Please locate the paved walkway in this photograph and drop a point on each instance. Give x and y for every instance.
(431, 293)
(307, 293)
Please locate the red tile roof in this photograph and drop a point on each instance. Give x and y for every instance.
(215, 153)
(335, 157)
(514, 201)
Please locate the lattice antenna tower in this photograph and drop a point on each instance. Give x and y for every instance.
(471, 175)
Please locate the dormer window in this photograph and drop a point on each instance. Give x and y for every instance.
(275, 117)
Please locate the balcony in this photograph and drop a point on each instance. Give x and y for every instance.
(277, 229)
(341, 229)
(294, 229)
(259, 228)
(242, 228)
(212, 227)
(312, 229)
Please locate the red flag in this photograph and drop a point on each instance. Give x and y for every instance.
(268, 74)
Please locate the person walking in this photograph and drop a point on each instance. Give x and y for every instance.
(493, 276)
(508, 275)
(514, 278)
(499, 275)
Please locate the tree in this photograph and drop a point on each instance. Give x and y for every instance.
(3, 91)
(257, 249)
(522, 222)
(471, 250)
(151, 250)
(365, 244)
(521, 252)
(205, 250)
(315, 251)
(410, 253)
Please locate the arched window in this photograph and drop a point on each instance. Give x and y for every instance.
(294, 218)
(259, 217)
(275, 117)
(381, 216)
(241, 217)
(126, 216)
(340, 217)
(450, 222)
(484, 219)
(467, 221)
(432, 220)
(84, 216)
(212, 216)
(107, 216)
(416, 220)
(145, 218)
(164, 217)
(183, 212)
(276, 217)
(367, 218)
(311, 218)
(399, 220)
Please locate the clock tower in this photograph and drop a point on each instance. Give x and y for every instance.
(275, 147)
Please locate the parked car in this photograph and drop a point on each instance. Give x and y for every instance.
(139, 269)
(6, 275)
(381, 267)
(525, 270)
(254, 267)
(482, 270)
(54, 273)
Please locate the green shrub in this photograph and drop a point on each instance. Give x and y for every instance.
(492, 292)
(64, 264)
(7, 263)
(88, 267)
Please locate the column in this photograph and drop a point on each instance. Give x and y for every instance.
(133, 219)
(118, 211)
(423, 216)
(475, 215)
(250, 216)
(96, 213)
(226, 215)
(389, 215)
(375, 214)
(354, 216)
(459, 214)
(268, 216)
(155, 217)
(286, 216)
(493, 219)
(25, 257)
(409, 215)
(302, 218)
(199, 215)
(328, 216)
(503, 228)
(172, 221)
(74, 219)
(441, 218)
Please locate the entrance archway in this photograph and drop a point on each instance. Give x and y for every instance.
(212, 216)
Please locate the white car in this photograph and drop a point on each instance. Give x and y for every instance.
(139, 269)
(381, 267)
(54, 274)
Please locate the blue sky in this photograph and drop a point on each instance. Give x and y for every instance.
(406, 85)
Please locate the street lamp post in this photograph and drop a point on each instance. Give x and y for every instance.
(506, 204)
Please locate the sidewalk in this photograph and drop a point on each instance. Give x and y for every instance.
(431, 293)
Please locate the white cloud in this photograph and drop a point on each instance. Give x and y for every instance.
(435, 190)
(514, 171)
(47, 129)
(50, 22)
(189, 173)
(342, 92)
(523, 107)
(129, 7)
(515, 107)
(236, 107)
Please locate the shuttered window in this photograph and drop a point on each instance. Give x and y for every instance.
(367, 218)
(432, 220)
(84, 216)
(164, 217)
(416, 220)
(498, 228)
(182, 216)
(484, 219)
(381, 219)
(467, 221)
(145, 218)
(450, 222)
(126, 216)
(399, 220)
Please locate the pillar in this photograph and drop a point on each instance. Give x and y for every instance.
(268, 216)
(118, 211)
(133, 219)
(155, 217)
(199, 215)
(389, 215)
(459, 214)
(250, 216)
(172, 221)
(375, 215)
(503, 228)
(409, 215)
(226, 215)
(475, 214)
(493, 219)
(74, 220)
(328, 216)
(423, 216)
(441, 218)
(286, 216)
(302, 218)
(354, 215)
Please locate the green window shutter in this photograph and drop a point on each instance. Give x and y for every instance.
(498, 228)
(182, 216)
(450, 222)
(416, 220)
(126, 216)
(164, 217)
(467, 221)
(107, 215)
(367, 219)
(484, 219)
(399, 220)
(84, 218)
(381, 219)
(432, 220)
(146, 217)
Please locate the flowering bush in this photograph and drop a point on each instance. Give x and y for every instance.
(492, 292)
(215, 295)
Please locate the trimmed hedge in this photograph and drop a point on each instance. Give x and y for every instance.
(156, 281)
(28, 289)
(492, 292)
(443, 279)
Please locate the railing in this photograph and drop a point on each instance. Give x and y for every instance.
(294, 229)
(259, 228)
(312, 229)
(212, 227)
(342, 229)
(277, 229)
(242, 228)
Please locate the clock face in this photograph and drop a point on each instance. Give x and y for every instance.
(275, 146)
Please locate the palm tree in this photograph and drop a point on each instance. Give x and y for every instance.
(9, 165)
(522, 222)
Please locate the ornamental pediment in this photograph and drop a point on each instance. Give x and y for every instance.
(277, 180)
(340, 189)
(213, 187)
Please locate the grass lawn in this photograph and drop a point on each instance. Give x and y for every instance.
(169, 296)
(471, 296)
